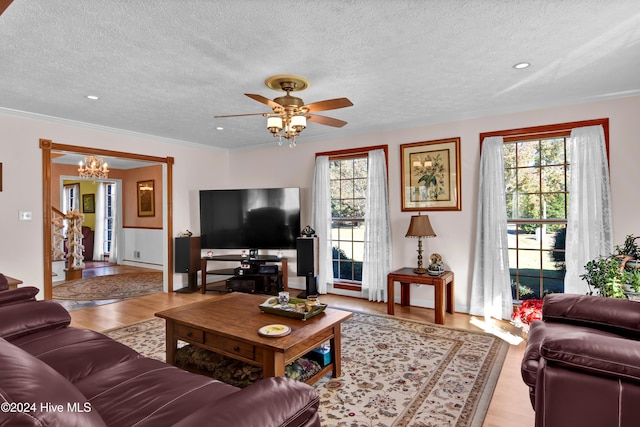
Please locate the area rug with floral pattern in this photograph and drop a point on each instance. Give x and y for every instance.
(395, 372)
(125, 285)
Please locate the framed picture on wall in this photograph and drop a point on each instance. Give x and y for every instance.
(431, 175)
(89, 203)
(146, 198)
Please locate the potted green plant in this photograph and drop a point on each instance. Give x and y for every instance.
(629, 247)
(609, 278)
(629, 252)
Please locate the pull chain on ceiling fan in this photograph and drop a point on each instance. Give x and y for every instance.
(290, 114)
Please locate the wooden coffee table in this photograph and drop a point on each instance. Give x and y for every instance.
(229, 325)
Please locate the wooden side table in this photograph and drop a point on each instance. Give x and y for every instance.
(443, 285)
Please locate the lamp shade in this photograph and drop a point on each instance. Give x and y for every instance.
(299, 121)
(420, 227)
(274, 123)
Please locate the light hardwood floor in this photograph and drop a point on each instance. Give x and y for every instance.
(510, 406)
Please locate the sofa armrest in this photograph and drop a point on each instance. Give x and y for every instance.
(275, 401)
(14, 296)
(615, 315)
(17, 320)
(599, 354)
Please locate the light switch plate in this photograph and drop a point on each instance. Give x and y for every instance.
(24, 215)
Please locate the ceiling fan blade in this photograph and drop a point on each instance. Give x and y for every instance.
(241, 115)
(329, 104)
(264, 100)
(328, 121)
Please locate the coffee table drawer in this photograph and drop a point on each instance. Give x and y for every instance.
(231, 346)
(188, 333)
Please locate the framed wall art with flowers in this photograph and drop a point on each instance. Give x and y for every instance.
(431, 175)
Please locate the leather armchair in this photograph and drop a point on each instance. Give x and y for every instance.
(582, 362)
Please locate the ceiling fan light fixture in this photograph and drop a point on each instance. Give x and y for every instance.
(289, 113)
(298, 123)
(274, 124)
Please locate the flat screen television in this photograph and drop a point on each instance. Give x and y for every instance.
(257, 218)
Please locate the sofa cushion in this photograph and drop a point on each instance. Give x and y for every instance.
(147, 392)
(13, 296)
(25, 379)
(271, 400)
(4, 282)
(76, 353)
(42, 315)
(601, 355)
(538, 332)
(619, 316)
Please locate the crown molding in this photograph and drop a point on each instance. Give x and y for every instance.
(107, 129)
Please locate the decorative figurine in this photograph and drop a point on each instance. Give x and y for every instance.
(308, 232)
(436, 266)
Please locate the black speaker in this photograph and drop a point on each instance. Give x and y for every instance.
(307, 253)
(187, 260)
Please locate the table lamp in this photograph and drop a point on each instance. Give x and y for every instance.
(420, 227)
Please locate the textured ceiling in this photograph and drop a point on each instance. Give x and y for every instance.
(166, 67)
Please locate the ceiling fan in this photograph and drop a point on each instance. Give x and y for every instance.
(290, 114)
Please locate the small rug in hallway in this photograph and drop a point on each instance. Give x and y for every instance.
(127, 285)
(395, 372)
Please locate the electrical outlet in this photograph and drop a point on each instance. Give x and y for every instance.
(25, 215)
(136, 254)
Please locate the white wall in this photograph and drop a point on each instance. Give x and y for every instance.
(199, 168)
(281, 166)
(21, 251)
(143, 248)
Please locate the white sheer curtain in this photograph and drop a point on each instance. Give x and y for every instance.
(321, 221)
(589, 229)
(116, 194)
(490, 287)
(98, 232)
(377, 230)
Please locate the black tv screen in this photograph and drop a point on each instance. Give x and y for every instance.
(258, 218)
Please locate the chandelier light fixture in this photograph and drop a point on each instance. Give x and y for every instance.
(94, 167)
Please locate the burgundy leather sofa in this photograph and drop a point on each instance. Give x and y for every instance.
(52, 374)
(582, 362)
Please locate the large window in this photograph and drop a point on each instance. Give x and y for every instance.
(348, 172)
(348, 178)
(71, 197)
(536, 179)
(537, 168)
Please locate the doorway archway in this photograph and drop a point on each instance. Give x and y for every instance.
(47, 146)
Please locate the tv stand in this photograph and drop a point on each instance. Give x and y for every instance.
(261, 259)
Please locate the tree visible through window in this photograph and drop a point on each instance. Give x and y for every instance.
(348, 179)
(536, 179)
(537, 171)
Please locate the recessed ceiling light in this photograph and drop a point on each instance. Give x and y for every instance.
(92, 97)
(219, 128)
(521, 65)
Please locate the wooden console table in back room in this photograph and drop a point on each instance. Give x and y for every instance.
(441, 283)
